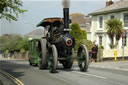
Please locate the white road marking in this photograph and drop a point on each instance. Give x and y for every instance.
(101, 77)
(114, 68)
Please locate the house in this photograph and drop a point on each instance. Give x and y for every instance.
(83, 21)
(37, 33)
(118, 10)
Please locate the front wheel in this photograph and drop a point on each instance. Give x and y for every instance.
(53, 59)
(42, 59)
(68, 63)
(83, 58)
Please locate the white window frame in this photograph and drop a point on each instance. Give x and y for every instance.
(111, 15)
(101, 40)
(122, 18)
(98, 39)
(98, 25)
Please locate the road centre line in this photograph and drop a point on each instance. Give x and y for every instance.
(18, 82)
(101, 77)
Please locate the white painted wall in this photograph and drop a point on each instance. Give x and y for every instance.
(107, 42)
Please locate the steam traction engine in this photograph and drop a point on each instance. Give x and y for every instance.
(57, 45)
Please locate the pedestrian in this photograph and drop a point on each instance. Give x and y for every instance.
(94, 53)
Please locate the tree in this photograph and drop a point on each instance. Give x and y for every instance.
(23, 44)
(78, 34)
(13, 43)
(114, 30)
(10, 9)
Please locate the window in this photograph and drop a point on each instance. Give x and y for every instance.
(112, 16)
(101, 22)
(125, 19)
(100, 40)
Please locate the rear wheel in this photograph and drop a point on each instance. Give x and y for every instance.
(42, 59)
(83, 58)
(53, 59)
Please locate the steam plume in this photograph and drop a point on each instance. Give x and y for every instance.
(66, 3)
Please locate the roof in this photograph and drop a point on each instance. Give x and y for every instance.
(48, 21)
(79, 14)
(118, 6)
(82, 20)
(37, 33)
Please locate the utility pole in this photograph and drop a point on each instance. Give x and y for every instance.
(123, 48)
(124, 33)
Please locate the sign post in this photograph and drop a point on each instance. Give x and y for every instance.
(124, 33)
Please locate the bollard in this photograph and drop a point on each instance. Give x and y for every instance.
(115, 55)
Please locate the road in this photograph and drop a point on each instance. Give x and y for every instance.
(30, 75)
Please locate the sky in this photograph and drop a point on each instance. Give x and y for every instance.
(40, 9)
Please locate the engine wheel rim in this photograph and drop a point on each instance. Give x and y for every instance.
(82, 58)
(53, 59)
(51, 62)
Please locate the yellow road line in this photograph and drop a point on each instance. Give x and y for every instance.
(17, 81)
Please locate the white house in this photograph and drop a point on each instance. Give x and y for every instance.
(118, 10)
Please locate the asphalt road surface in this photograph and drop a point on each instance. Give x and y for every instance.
(30, 75)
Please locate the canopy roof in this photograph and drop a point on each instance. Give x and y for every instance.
(48, 21)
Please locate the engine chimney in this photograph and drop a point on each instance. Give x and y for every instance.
(66, 18)
(109, 2)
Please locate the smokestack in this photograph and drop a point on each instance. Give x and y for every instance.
(66, 18)
(65, 4)
(109, 2)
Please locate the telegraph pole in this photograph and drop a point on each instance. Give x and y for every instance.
(124, 33)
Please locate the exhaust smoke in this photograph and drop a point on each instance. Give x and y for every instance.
(66, 3)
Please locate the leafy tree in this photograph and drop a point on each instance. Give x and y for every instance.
(88, 43)
(10, 9)
(114, 30)
(78, 34)
(13, 43)
(84, 34)
(23, 44)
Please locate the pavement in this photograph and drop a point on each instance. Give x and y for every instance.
(117, 65)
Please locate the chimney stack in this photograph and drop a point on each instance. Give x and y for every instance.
(66, 18)
(109, 2)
